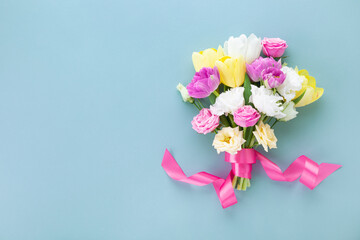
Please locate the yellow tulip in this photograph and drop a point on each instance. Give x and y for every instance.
(232, 71)
(312, 93)
(207, 58)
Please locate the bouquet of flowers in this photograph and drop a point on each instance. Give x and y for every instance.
(240, 96)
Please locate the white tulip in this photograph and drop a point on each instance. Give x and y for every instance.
(253, 48)
(247, 47)
(236, 47)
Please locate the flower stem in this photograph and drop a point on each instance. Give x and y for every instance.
(245, 129)
(225, 88)
(262, 118)
(216, 93)
(274, 123)
(248, 136)
(200, 104)
(240, 187)
(266, 119)
(252, 141)
(233, 124)
(234, 182)
(240, 183)
(196, 105)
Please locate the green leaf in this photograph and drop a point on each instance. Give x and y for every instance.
(247, 89)
(212, 98)
(296, 100)
(232, 123)
(224, 121)
(248, 135)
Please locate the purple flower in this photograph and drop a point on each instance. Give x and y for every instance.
(273, 77)
(255, 69)
(204, 82)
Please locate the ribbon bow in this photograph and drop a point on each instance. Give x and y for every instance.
(310, 173)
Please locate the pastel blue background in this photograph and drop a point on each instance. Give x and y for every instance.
(88, 105)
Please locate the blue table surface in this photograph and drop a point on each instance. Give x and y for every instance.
(88, 105)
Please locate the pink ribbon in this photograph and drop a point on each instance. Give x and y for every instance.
(310, 173)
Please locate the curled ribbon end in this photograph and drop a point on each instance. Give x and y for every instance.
(323, 171)
(223, 187)
(167, 155)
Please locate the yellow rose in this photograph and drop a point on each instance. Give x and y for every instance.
(207, 58)
(232, 71)
(312, 93)
(265, 136)
(228, 140)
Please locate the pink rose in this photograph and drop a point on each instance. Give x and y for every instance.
(246, 116)
(274, 47)
(205, 121)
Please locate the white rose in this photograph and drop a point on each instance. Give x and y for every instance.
(249, 48)
(292, 83)
(289, 111)
(228, 140)
(266, 101)
(229, 101)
